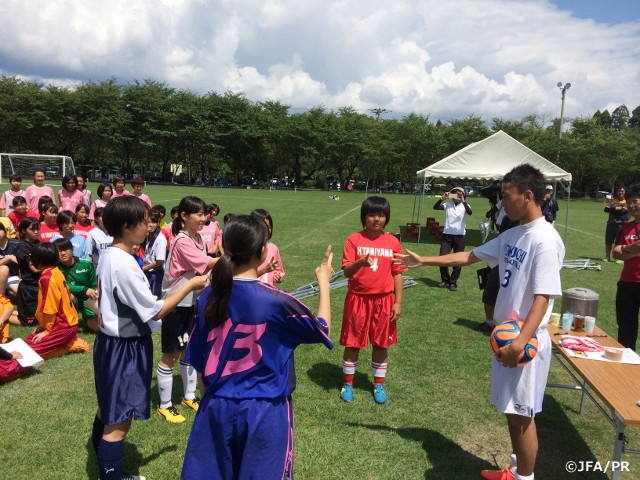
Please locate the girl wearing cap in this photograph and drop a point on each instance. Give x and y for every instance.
(454, 233)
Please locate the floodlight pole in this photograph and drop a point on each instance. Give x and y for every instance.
(564, 89)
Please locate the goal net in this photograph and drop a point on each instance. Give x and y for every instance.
(24, 164)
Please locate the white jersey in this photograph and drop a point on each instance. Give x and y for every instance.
(126, 304)
(529, 258)
(157, 251)
(455, 218)
(97, 242)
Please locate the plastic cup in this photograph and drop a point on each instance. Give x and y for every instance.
(567, 321)
(578, 323)
(554, 319)
(589, 324)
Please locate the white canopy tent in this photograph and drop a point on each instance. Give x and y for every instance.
(491, 159)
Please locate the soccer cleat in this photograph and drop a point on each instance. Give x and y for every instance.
(193, 404)
(606, 260)
(453, 287)
(379, 394)
(483, 327)
(171, 415)
(505, 474)
(346, 394)
(618, 261)
(128, 476)
(442, 285)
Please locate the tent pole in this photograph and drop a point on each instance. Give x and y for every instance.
(566, 219)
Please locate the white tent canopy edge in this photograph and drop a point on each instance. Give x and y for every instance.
(491, 159)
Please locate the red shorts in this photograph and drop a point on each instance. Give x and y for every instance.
(368, 317)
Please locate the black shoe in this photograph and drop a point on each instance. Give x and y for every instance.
(453, 287)
(483, 327)
(442, 285)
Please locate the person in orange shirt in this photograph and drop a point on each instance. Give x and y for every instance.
(56, 314)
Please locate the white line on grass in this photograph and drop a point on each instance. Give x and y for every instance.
(560, 226)
(313, 232)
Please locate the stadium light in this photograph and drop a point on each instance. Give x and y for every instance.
(564, 89)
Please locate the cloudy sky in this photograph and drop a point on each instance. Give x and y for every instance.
(444, 58)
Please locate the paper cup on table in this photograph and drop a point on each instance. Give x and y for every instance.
(578, 323)
(567, 321)
(554, 319)
(589, 323)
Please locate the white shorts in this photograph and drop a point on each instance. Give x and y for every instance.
(13, 281)
(520, 390)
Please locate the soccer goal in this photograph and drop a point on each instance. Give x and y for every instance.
(24, 164)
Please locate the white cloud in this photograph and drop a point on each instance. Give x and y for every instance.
(494, 58)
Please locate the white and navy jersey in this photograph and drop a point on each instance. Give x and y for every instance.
(97, 242)
(155, 252)
(529, 258)
(126, 304)
(251, 354)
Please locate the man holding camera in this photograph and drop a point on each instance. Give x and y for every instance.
(453, 236)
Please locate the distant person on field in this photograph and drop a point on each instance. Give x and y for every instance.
(374, 297)
(20, 211)
(549, 206)
(242, 346)
(56, 315)
(82, 186)
(104, 195)
(129, 314)
(271, 270)
(618, 215)
(6, 201)
(627, 249)
(66, 222)
(27, 297)
(98, 239)
(83, 224)
(69, 197)
(154, 251)
(454, 233)
(137, 183)
(38, 189)
(80, 274)
(118, 187)
(187, 258)
(529, 258)
(9, 272)
(48, 223)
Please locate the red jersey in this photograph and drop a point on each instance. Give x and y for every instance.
(629, 233)
(47, 232)
(83, 229)
(378, 278)
(16, 218)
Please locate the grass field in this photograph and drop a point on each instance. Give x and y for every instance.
(437, 424)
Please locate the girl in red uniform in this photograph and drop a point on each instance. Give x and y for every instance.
(374, 298)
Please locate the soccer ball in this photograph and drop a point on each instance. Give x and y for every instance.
(505, 333)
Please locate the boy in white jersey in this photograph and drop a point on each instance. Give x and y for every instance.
(529, 258)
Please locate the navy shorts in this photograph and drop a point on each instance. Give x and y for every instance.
(122, 372)
(232, 438)
(491, 287)
(176, 327)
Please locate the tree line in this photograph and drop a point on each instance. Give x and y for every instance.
(149, 126)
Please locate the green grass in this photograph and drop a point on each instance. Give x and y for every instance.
(438, 423)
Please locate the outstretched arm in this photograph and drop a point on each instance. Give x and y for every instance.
(323, 275)
(413, 260)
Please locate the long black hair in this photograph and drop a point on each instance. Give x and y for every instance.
(188, 205)
(243, 237)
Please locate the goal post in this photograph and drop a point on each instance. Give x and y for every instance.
(24, 164)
